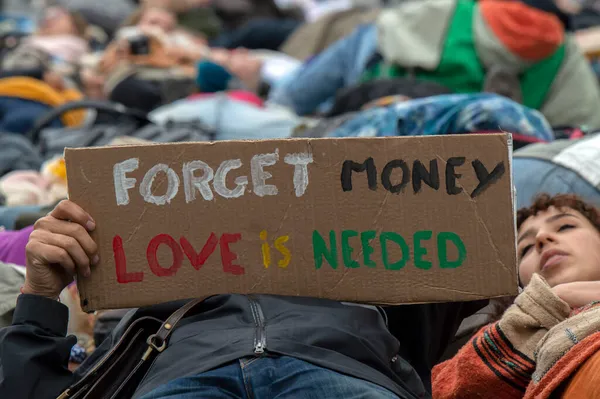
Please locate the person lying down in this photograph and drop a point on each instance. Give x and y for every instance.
(547, 343)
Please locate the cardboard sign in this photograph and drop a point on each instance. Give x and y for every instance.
(373, 220)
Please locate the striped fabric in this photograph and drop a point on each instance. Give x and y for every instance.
(499, 355)
(491, 366)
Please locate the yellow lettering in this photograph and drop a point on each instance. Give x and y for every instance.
(287, 256)
(266, 251)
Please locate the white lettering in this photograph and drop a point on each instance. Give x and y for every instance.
(300, 162)
(202, 183)
(172, 185)
(122, 183)
(191, 182)
(259, 176)
(220, 181)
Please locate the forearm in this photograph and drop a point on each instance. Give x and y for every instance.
(318, 80)
(34, 351)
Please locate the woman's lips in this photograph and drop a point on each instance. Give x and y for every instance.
(553, 260)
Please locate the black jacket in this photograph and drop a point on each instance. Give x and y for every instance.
(35, 73)
(351, 339)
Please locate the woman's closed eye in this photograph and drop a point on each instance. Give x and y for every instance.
(525, 250)
(566, 227)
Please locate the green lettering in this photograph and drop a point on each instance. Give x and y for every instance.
(320, 250)
(442, 239)
(367, 249)
(397, 238)
(347, 249)
(420, 252)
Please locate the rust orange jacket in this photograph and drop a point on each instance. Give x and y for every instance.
(535, 350)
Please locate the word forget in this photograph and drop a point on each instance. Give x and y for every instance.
(193, 183)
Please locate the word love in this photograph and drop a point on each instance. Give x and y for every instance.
(421, 174)
(197, 176)
(196, 259)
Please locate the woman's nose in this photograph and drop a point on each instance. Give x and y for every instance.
(543, 238)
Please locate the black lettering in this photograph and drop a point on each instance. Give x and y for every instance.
(452, 176)
(387, 174)
(420, 174)
(350, 166)
(486, 179)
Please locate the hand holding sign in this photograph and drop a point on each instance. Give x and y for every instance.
(58, 248)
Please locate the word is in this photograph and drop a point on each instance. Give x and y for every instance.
(193, 183)
(279, 246)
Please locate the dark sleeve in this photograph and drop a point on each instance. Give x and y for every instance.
(425, 330)
(137, 94)
(36, 73)
(34, 350)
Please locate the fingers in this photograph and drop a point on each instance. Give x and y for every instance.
(70, 229)
(66, 250)
(67, 210)
(64, 233)
(52, 254)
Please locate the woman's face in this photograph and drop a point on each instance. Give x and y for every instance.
(561, 245)
(57, 21)
(158, 18)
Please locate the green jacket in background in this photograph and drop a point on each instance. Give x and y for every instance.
(450, 43)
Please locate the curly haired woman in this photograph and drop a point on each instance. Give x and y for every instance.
(547, 343)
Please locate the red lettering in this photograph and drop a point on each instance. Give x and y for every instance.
(157, 269)
(227, 257)
(198, 260)
(123, 277)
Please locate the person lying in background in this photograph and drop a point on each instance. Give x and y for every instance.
(60, 37)
(38, 73)
(254, 24)
(183, 45)
(551, 333)
(152, 49)
(34, 75)
(51, 52)
(546, 64)
(147, 53)
(233, 23)
(255, 71)
(317, 349)
(196, 16)
(181, 42)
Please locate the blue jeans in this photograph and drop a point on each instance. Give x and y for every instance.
(270, 378)
(318, 80)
